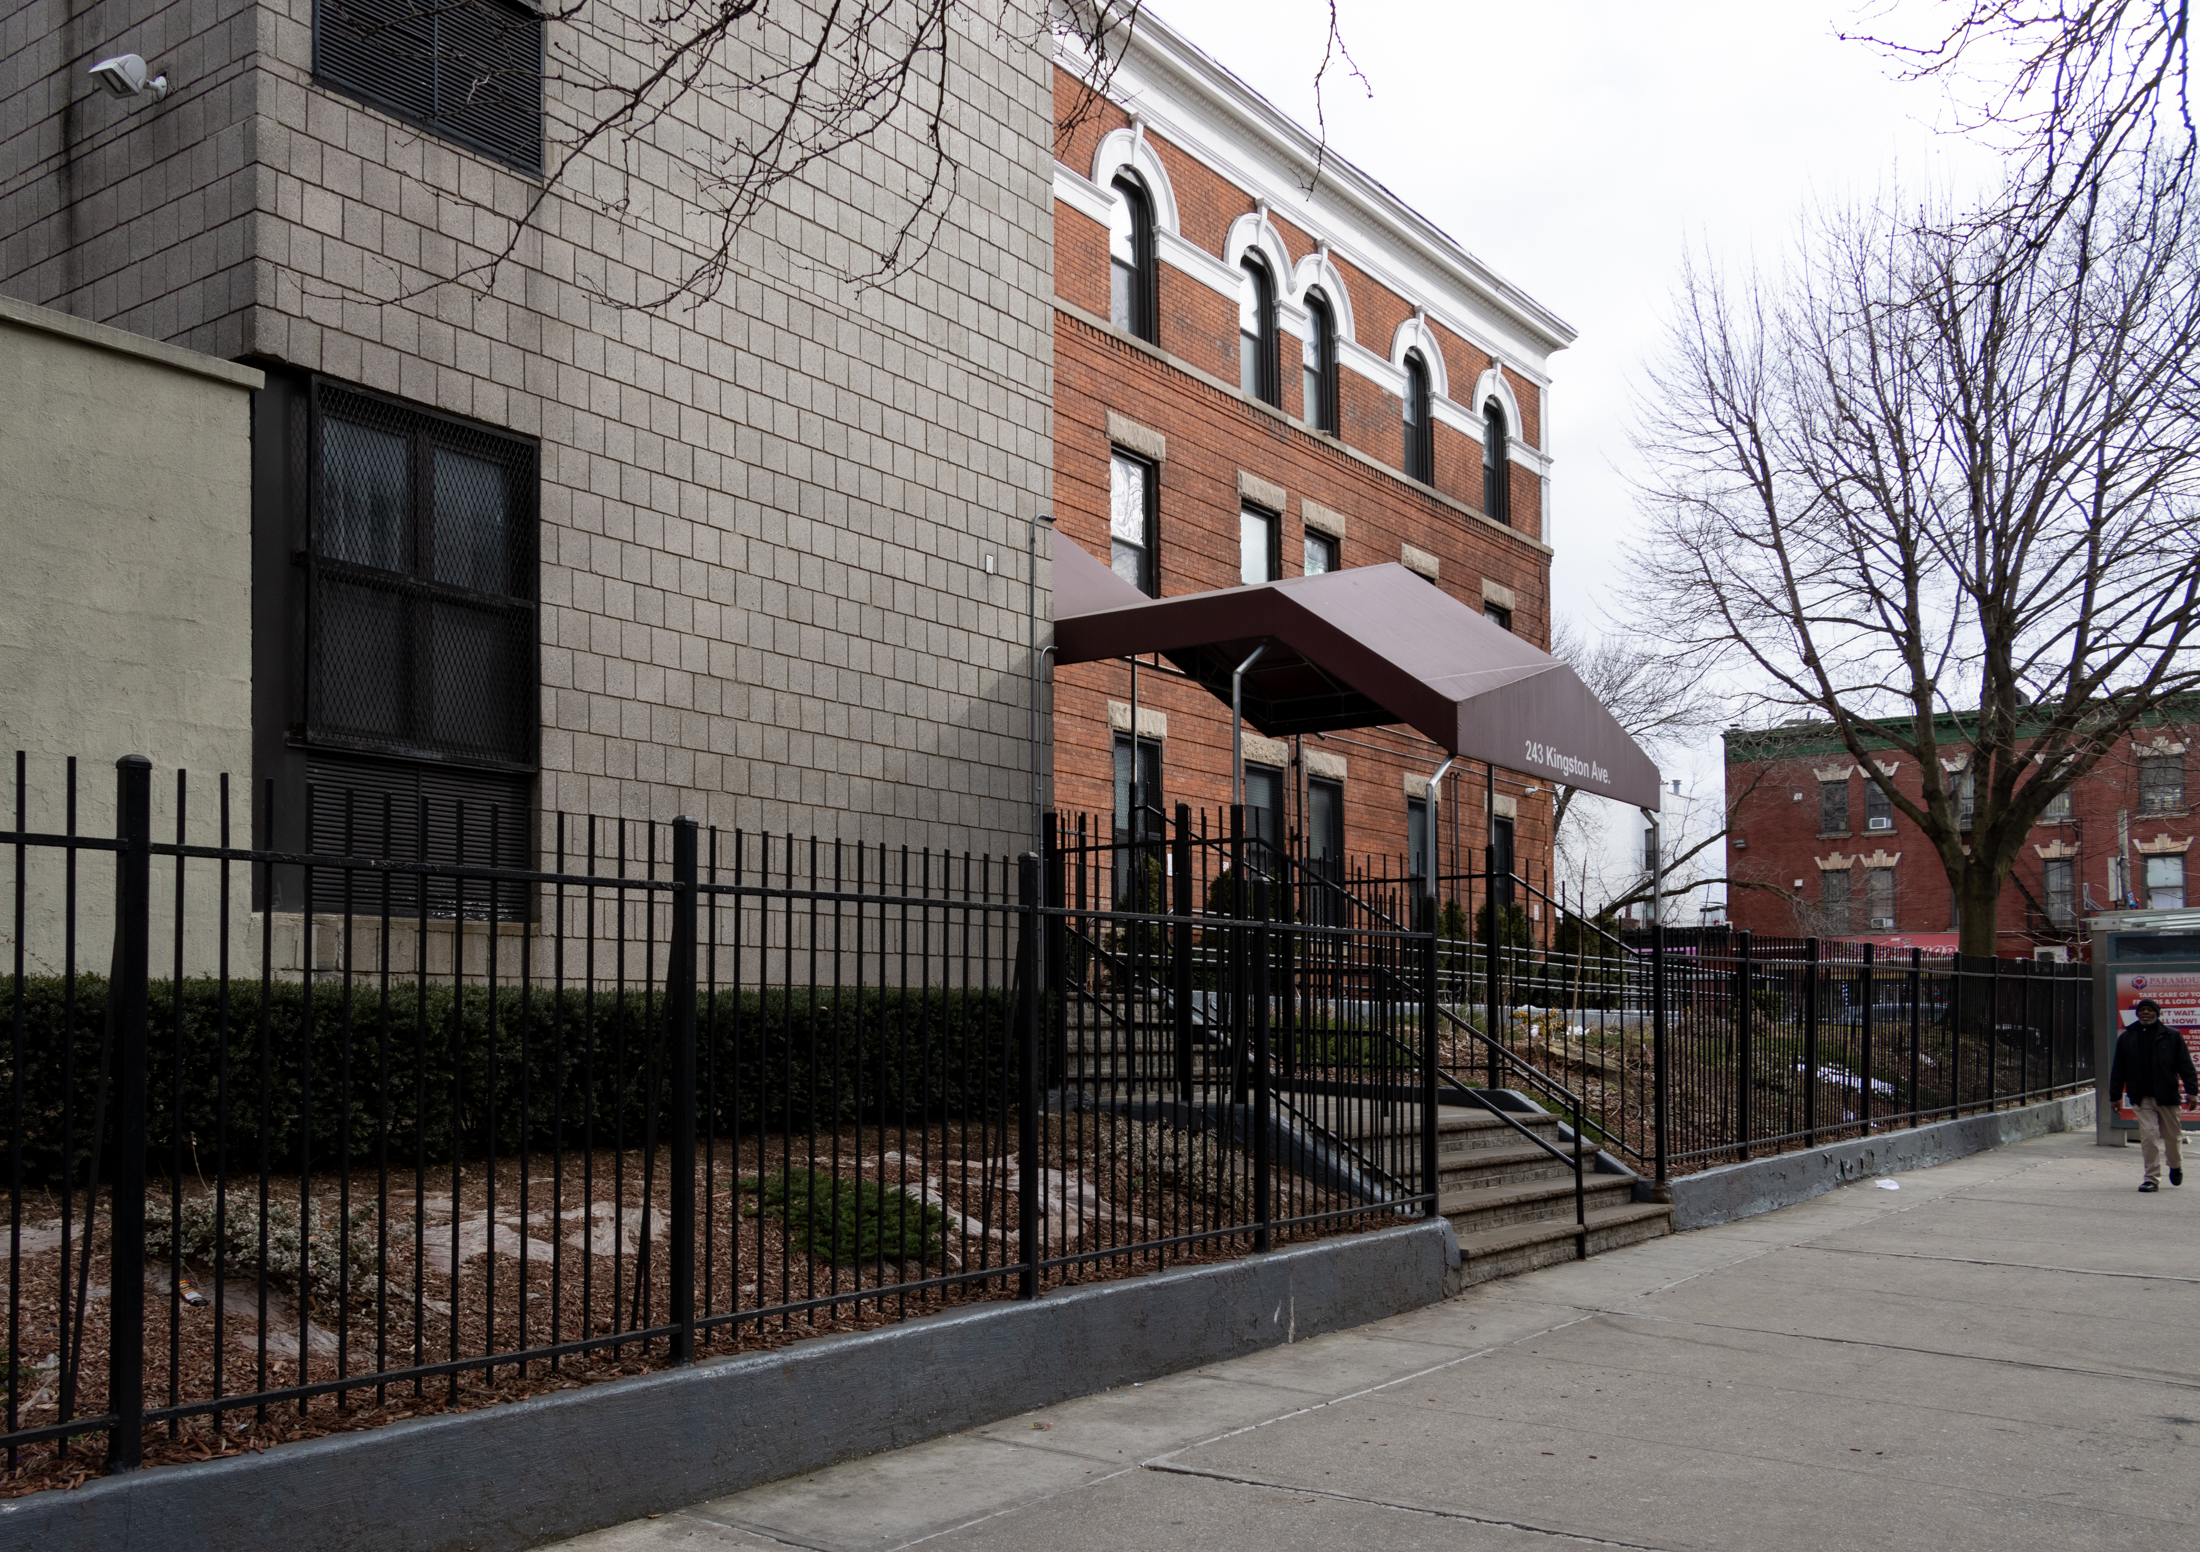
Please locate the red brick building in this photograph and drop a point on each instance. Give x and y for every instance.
(1252, 382)
(1829, 855)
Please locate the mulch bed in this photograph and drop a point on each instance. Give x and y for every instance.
(565, 1251)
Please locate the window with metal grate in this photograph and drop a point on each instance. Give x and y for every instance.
(420, 613)
(470, 71)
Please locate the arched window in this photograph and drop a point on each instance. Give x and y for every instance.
(1321, 364)
(1420, 460)
(1257, 373)
(1130, 259)
(1496, 464)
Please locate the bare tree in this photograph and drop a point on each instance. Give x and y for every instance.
(1635, 682)
(2071, 88)
(1944, 471)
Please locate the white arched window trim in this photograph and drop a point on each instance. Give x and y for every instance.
(1413, 335)
(1124, 148)
(1493, 385)
(1251, 234)
(1314, 271)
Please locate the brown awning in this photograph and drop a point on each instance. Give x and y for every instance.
(1367, 647)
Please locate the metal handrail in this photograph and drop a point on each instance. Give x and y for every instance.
(1573, 1101)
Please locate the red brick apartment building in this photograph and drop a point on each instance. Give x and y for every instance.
(1834, 857)
(1254, 382)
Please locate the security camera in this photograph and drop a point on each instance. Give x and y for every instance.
(125, 76)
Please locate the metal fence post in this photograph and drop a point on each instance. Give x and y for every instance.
(1660, 1089)
(1489, 956)
(1993, 1030)
(2025, 1031)
(680, 1009)
(1810, 1041)
(127, 997)
(1745, 1042)
(1181, 934)
(1871, 1002)
(1954, 1026)
(1263, 992)
(1917, 989)
(1429, 1018)
(1027, 1078)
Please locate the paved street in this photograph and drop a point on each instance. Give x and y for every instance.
(2003, 1353)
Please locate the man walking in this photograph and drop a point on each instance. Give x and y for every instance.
(2151, 1063)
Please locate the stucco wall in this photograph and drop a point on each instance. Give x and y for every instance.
(125, 592)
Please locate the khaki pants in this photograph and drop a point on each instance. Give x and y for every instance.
(2159, 1134)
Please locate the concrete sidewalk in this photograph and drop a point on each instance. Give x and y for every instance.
(2003, 1353)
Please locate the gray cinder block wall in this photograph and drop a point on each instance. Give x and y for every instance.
(765, 518)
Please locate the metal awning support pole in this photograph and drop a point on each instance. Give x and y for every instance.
(1435, 791)
(1031, 609)
(1237, 724)
(1431, 1178)
(1133, 816)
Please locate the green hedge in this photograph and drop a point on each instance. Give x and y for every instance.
(443, 1063)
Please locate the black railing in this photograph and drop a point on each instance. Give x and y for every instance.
(486, 1129)
(1703, 1046)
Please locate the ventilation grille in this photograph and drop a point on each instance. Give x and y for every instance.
(374, 809)
(471, 70)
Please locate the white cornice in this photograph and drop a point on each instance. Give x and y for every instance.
(1194, 102)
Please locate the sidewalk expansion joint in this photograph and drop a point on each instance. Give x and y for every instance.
(2021, 1266)
(2155, 1378)
(1494, 1521)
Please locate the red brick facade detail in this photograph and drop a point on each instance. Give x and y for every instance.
(1184, 388)
(2112, 827)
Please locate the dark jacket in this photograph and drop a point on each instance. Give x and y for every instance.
(2151, 1065)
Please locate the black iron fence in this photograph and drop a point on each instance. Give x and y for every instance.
(480, 1129)
(1703, 1046)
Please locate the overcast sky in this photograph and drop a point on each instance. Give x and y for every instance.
(1581, 147)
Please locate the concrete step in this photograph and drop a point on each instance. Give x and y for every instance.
(1505, 1251)
(1501, 1206)
(1482, 1169)
(1462, 1130)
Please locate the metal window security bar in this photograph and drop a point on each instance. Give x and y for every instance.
(482, 1128)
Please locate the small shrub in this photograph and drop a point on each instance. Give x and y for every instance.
(1197, 1164)
(330, 1249)
(1512, 925)
(850, 1222)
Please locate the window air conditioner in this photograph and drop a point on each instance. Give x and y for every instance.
(2060, 956)
(1883, 921)
(1879, 822)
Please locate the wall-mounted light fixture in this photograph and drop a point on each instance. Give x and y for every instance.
(127, 75)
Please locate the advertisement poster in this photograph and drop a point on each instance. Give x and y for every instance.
(2178, 994)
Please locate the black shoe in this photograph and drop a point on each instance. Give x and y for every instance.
(2176, 1177)
(2148, 1185)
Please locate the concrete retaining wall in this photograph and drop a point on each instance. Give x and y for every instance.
(1761, 1185)
(554, 1466)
